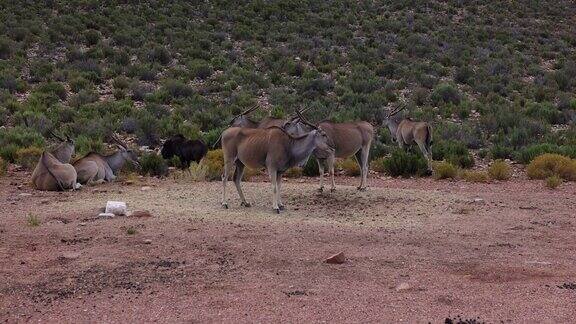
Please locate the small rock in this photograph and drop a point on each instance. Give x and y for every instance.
(129, 182)
(25, 194)
(71, 255)
(403, 286)
(337, 258)
(140, 213)
(116, 207)
(82, 224)
(99, 190)
(145, 188)
(106, 215)
(45, 201)
(478, 200)
(147, 241)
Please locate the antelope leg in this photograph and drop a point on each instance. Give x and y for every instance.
(330, 162)
(422, 147)
(273, 179)
(279, 185)
(227, 168)
(321, 171)
(365, 156)
(237, 178)
(359, 157)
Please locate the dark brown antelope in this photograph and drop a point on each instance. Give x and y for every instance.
(97, 168)
(53, 175)
(407, 133)
(271, 148)
(349, 139)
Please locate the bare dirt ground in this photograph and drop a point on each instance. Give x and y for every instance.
(417, 251)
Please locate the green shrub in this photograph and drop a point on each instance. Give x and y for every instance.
(553, 182)
(200, 69)
(178, 89)
(160, 55)
(445, 93)
(28, 157)
(53, 88)
(92, 37)
(454, 152)
(405, 164)
(474, 176)
(350, 167)
(527, 154)
(14, 138)
(3, 167)
(79, 83)
(84, 145)
(293, 172)
(214, 162)
(547, 165)
(500, 170)
(152, 164)
(500, 151)
(444, 170)
(378, 165)
(310, 169)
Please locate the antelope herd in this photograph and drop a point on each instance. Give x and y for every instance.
(275, 144)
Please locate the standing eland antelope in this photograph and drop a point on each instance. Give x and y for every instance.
(407, 133)
(353, 138)
(272, 148)
(96, 168)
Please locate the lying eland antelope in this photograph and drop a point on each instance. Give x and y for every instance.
(271, 148)
(407, 133)
(65, 150)
(52, 175)
(353, 138)
(95, 167)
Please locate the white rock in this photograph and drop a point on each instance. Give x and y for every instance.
(403, 286)
(116, 207)
(106, 215)
(145, 188)
(147, 241)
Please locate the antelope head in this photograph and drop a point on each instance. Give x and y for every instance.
(65, 149)
(324, 144)
(125, 152)
(241, 120)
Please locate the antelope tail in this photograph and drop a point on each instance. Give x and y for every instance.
(58, 183)
(217, 141)
(429, 135)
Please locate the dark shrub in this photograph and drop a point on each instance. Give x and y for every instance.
(404, 164)
(445, 93)
(159, 54)
(454, 152)
(310, 169)
(178, 89)
(527, 154)
(200, 69)
(153, 164)
(500, 151)
(92, 37)
(5, 48)
(54, 88)
(79, 83)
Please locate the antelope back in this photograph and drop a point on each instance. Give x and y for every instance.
(348, 138)
(51, 174)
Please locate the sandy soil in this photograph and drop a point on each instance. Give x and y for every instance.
(417, 251)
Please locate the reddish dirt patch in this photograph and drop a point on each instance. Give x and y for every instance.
(416, 251)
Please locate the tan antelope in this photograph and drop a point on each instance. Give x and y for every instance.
(349, 139)
(53, 173)
(97, 168)
(407, 133)
(271, 148)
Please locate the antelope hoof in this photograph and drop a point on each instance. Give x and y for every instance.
(277, 210)
(245, 204)
(332, 189)
(281, 207)
(321, 189)
(428, 172)
(225, 205)
(361, 188)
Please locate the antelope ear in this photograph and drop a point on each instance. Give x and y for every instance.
(120, 147)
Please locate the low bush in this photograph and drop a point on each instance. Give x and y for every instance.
(84, 145)
(444, 170)
(553, 182)
(405, 164)
(527, 154)
(474, 176)
(548, 165)
(214, 162)
(454, 152)
(28, 157)
(378, 165)
(293, 172)
(349, 166)
(500, 151)
(500, 170)
(153, 164)
(3, 167)
(310, 169)
(198, 171)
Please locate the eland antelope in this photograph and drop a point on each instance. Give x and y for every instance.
(95, 167)
(407, 133)
(272, 148)
(349, 139)
(52, 175)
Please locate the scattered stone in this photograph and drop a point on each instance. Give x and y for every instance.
(337, 258)
(25, 194)
(99, 190)
(106, 215)
(140, 214)
(116, 207)
(147, 241)
(146, 188)
(44, 202)
(403, 286)
(71, 255)
(129, 182)
(82, 224)
(478, 200)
